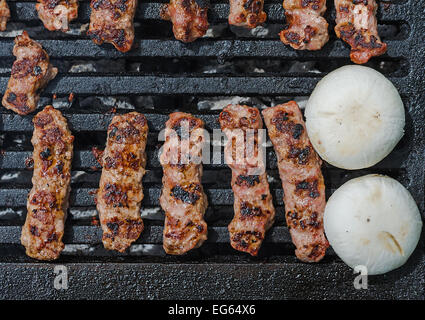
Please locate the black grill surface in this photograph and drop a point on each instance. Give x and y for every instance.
(161, 75)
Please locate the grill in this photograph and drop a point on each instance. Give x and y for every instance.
(161, 75)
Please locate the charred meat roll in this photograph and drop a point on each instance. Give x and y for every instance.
(253, 205)
(247, 13)
(306, 29)
(4, 14)
(57, 14)
(302, 180)
(112, 21)
(182, 197)
(48, 199)
(357, 25)
(30, 73)
(189, 18)
(120, 191)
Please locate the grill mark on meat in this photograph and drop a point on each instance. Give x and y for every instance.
(4, 14)
(30, 73)
(188, 194)
(48, 199)
(120, 189)
(247, 239)
(247, 13)
(111, 21)
(302, 180)
(309, 186)
(306, 28)
(283, 125)
(57, 14)
(179, 126)
(182, 197)
(253, 206)
(248, 181)
(299, 155)
(357, 25)
(248, 211)
(189, 18)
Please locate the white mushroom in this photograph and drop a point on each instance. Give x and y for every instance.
(355, 117)
(373, 221)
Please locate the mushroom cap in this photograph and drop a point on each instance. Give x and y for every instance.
(354, 117)
(373, 221)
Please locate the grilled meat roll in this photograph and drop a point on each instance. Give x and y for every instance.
(182, 197)
(357, 25)
(48, 199)
(253, 205)
(302, 180)
(247, 13)
(306, 29)
(189, 18)
(4, 14)
(120, 191)
(30, 73)
(112, 21)
(57, 14)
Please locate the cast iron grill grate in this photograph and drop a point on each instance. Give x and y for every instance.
(161, 75)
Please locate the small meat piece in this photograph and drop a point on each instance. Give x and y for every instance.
(357, 25)
(48, 199)
(253, 203)
(4, 14)
(302, 180)
(120, 189)
(306, 29)
(30, 73)
(57, 14)
(112, 21)
(182, 197)
(189, 18)
(247, 13)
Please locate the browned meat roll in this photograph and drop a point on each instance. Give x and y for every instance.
(306, 28)
(30, 73)
(112, 21)
(120, 189)
(302, 180)
(357, 25)
(189, 18)
(57, 14)
(253, 204)
(48, 199)
(182, 197)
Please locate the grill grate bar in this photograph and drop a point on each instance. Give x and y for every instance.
(25, 11)
(109, 85)
(150, 235)
(85, 160)
(200, 48)
(84, 197)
